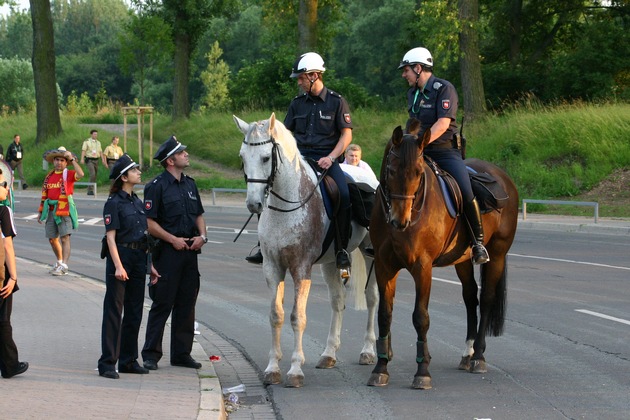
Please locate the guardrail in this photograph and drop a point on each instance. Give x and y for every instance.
(231, 190)
(92, 184)
(593, 204)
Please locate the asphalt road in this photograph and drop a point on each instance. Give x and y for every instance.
(565, 352)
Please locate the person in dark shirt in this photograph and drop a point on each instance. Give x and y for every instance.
(15, 154)
(320, 121)
(175, 217)
(434, 102)
(9, 362)
(125, 270)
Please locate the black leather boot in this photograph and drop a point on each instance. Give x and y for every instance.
(257, 258)
(473, 216)
(342, 224)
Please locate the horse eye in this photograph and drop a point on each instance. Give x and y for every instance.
(265, 159)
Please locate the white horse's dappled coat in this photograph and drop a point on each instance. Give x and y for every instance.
(292, 240)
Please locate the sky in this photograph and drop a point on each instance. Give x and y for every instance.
(22, 4)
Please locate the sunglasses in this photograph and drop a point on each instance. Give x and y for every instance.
(4, 184)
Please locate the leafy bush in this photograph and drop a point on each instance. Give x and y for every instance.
(17, 89)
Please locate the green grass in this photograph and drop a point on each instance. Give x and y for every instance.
(550, 152)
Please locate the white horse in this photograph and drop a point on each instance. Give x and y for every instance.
(291, 230)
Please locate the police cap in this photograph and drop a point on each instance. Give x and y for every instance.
(168, 148)
(121, 166)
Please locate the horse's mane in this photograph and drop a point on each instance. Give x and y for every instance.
(408, 151)
(285, 140)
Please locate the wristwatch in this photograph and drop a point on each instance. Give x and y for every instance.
(205, 240)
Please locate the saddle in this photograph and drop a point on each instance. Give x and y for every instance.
(490, 194)
(362, 198)
(362, 195)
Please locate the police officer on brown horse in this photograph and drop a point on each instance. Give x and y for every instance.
(434, 103)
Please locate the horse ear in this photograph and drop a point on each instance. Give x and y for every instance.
(424, 141)
(272, 122)
(397, 136)
(413, 126)
(242, 125)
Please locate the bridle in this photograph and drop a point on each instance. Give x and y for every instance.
(275, 156)
(387, 196)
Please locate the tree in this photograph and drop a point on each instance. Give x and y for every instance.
(189, 20)
(307, 25)
(145, 44)
(48, 119)
(470, 65)
(215, 80)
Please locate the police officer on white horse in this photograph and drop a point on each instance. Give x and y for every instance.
(434, 103)
(320, 121)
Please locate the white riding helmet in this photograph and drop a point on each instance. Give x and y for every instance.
(418, 55)
(308, 63)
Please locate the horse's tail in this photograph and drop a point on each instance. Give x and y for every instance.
(499, 307)
(358, 280)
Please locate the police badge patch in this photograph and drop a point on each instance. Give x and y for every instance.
(346, 118)
(107, 219)
(446, 104)
(148, 205)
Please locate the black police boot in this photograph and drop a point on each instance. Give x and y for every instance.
(257, 258)
(344, 228)
(473, 216)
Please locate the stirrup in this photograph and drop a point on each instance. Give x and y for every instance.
(343, 264)
(479, 254)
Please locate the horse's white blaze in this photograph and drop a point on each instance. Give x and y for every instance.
(293, 240)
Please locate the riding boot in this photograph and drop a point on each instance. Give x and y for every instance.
(473, 216)
(257, 258)
(343, 226)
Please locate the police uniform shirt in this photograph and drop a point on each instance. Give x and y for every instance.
(125, 214)
(174, 205)
(7, 229)
(317, 121)
(437, 100)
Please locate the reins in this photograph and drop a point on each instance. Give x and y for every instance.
(275, 155)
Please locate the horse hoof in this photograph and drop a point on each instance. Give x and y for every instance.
(464, 364)
(421, 382)
(367, 359)
(326, 362)
(294, 381)
(272, 378)
(378, 379)
(478, 366)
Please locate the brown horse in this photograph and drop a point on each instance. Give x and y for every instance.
(412, 229)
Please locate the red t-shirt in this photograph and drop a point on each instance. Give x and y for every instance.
(54, 184)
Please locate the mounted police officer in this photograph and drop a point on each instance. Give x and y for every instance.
(434, 102)
(321, 124)
(175, 217)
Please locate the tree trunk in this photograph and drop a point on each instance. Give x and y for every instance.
(307, 26)
(516, 29)
(472, 82)
(181, 107)
(48, 119)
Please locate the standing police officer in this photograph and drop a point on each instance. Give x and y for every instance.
(175, 217)
(125, 271)
(320, 121)
(434, 103)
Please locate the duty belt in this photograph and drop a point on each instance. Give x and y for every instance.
(133, 245)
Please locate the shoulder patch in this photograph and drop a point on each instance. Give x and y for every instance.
(346, 118)
(446, 104)
(107, 219)
(148, 204)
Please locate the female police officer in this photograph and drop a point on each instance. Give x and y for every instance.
(125, 270)
(433, 101)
